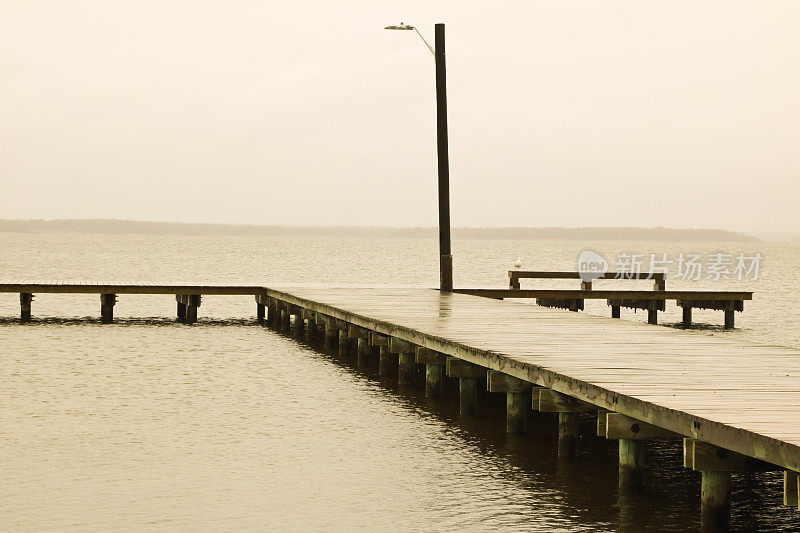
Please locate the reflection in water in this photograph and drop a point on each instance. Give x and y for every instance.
(584, 491)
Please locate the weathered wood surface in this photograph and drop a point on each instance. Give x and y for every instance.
(571, 274)
(84, 287)
(740, 396)
(688, 296)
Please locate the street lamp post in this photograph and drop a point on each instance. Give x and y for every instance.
(445, 252)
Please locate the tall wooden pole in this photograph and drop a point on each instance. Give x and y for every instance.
(445, 254)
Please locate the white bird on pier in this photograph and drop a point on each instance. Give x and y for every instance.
(518, 262)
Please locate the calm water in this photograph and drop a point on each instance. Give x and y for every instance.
(146, 424)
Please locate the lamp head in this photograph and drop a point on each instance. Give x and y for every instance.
(402, 26)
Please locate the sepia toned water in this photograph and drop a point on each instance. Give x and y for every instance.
(150, 425)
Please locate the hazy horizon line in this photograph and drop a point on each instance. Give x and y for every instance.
(125, 226)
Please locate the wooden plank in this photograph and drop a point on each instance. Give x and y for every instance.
(426, 356)
(548, 274)
(501, 382)
(705, 456)
(458, 368)
(550, 401)
(619, 426)
(564, 294)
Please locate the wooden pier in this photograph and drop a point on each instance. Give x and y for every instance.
(650, 301)
(734, 404)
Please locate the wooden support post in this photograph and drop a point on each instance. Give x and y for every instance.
(652, 316)
(615, 311)
(261, 313)
(107, 302)
(716, 465)
(567, 407)
(181, 312)
(25, 299)
(601, 422)
(516, 394)
(406, 368)
(285, 318)
(407, 363)
(344, 342)
(516, 412)
(298, 327)
(469, 376)
(715, 500)
(631, 464)
(311, 330)
(687, 317)
(568, 435)
(790, 481)
(433, 381)
(275, 314)
(729, 318)
(331, 335)
(434, 362)
(387, 362)
(468, 396)
(362, 351)
(192, 303)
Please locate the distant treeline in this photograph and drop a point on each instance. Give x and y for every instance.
(110, 226)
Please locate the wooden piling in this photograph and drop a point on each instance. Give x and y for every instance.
(687, 317)
(331, 336)
(275, 314)
(517, 398)
(406, 361)
(285, 319)
(516, 412)
(107, 302)
(298, 327)
(468, 396)
(568, 435)
(434, 367)
(790, 481)
(25, 299)
(433, 381)
(261, 313)
(181, 312)
(363, 351)
(715, 500)
(311, 329)
(387, 362)
(652, 316)
(406, 368)
(469, 376)
(344, 342)
(729, 319)
(192, 303)
(631, 464)
(615, 311)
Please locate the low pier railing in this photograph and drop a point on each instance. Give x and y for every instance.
(650, 301)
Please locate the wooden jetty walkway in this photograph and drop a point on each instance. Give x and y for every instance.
(734, 404)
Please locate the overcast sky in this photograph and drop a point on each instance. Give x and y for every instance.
(562, 113)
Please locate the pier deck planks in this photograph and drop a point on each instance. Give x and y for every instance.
(737, 395)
